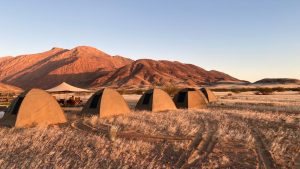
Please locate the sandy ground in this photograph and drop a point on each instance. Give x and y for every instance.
(239, 131)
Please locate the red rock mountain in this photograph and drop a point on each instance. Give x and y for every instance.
(150, 72)
(79, 66)
(86, 66)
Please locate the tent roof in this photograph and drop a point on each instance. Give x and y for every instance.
(65, 87)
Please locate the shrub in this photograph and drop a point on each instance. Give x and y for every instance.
(139, 91)
(263, 89)
(296, 89)
(122, 91)
(236, 91)
(279, 89)
(258, 93)
(131, 91)
(266, 91)
(171, 89)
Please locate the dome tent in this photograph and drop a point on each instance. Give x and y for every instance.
(190, 98)
(33, 107)
(106, 102)
(210, 96)
(155, 100)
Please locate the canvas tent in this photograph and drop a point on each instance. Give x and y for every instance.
(65, 87)
(33, 107)
(64, 91)
(106, 102)
(155, 100)
(190, 98)
(210, 96)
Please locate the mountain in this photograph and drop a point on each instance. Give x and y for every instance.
(85, 66)
(79, 66)
(278, 81)
(148, 72)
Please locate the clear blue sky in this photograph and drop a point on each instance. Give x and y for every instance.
(248, 39)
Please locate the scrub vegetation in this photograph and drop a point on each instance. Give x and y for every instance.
(241, 130)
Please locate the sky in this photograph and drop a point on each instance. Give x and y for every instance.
(248, 39)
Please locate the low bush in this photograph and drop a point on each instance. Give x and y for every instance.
(131, 91)
(171, 89)
(264, 91)
(260, 89)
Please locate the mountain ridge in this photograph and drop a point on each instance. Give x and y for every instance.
(278, 81)
(86, 66)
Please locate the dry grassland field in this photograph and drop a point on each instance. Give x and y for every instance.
(241, 130)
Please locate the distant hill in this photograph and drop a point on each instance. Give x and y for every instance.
(278, 81)
(86, 66)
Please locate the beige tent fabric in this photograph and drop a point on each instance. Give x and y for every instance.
(190, 98)
(106, 103)
(33, 107)
(65, 87)
(210, 96)
(155, 100)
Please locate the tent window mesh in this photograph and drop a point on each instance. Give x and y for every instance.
(181, 97)
(17, 105)
(147, 98)
(95, 101)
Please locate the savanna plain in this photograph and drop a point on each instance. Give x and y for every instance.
(241, 130)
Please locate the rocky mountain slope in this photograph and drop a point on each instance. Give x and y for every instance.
(79, 66)
(85, 66)
(150, 72)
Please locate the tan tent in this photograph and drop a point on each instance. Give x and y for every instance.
(155, 100)
(106, 102)
(210, 96)
(65, 87)
(33, 107)
(190, 98)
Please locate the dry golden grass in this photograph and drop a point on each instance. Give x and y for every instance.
(231, 133)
